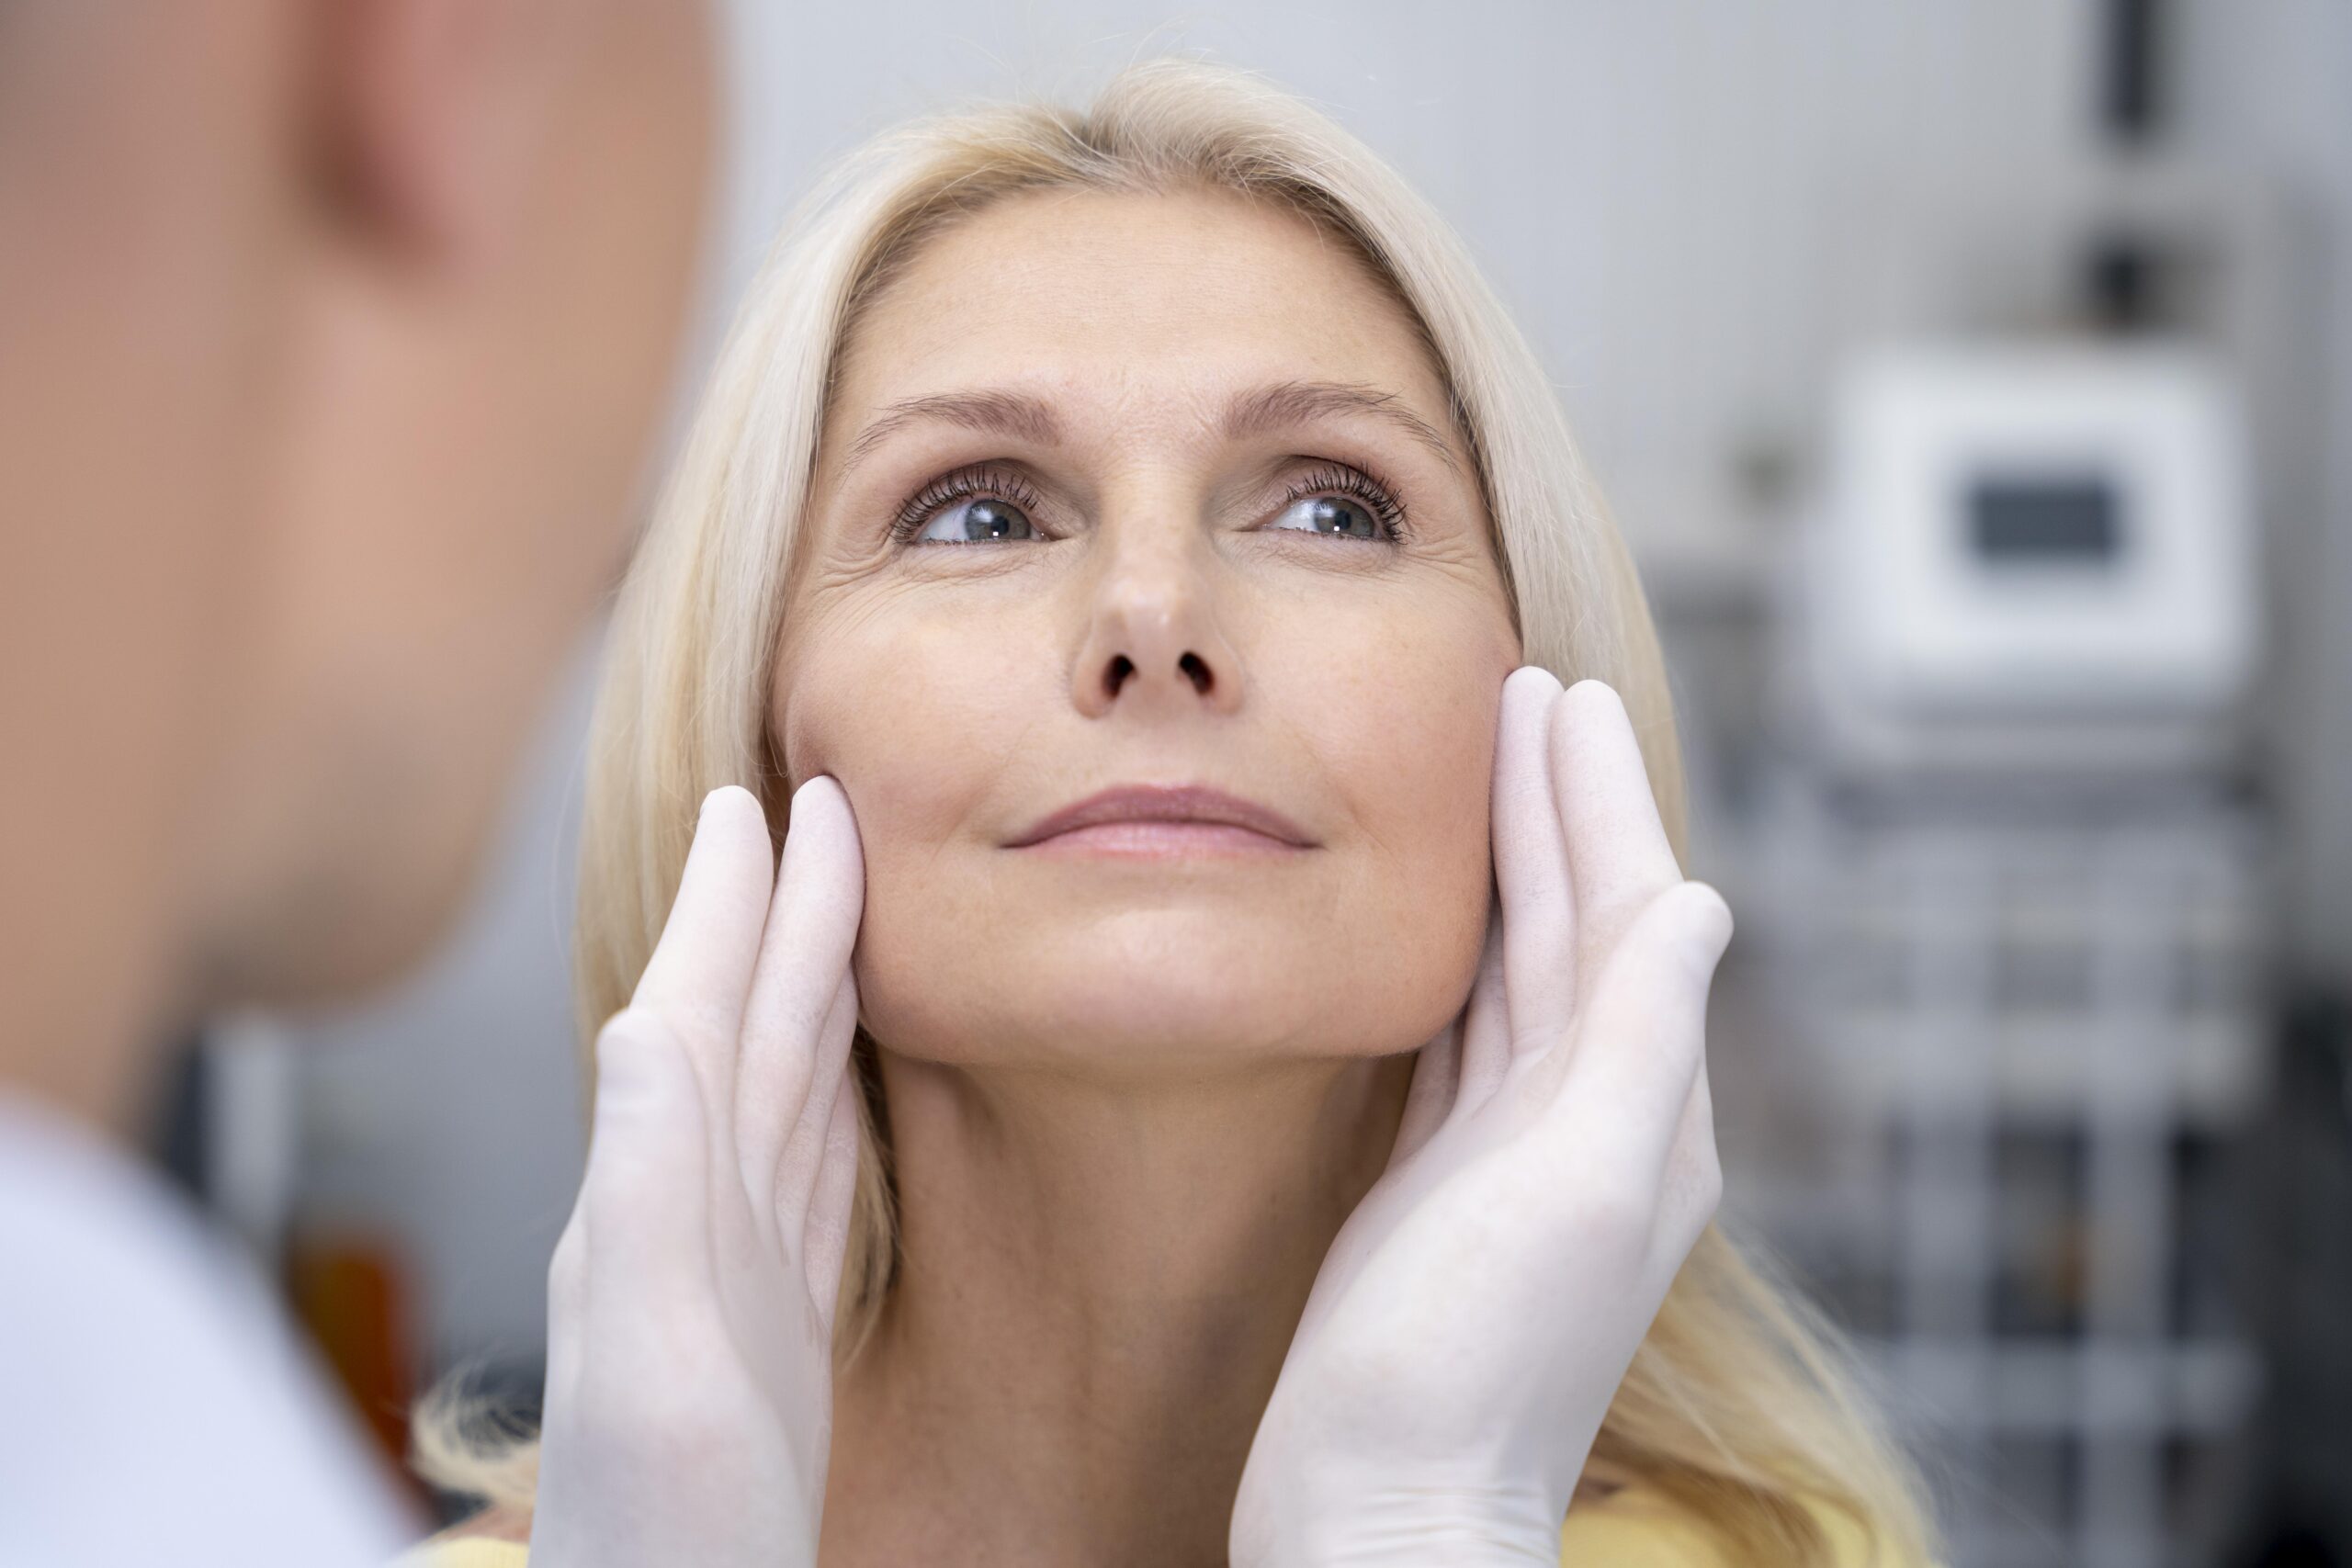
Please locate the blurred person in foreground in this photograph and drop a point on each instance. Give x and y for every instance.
(334, 336)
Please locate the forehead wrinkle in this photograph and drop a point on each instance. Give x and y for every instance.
(1287, 403)
(999, 412)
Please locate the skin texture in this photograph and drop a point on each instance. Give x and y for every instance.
(1132, 1100)
(142, 148)
(471, 401)
(314, 474)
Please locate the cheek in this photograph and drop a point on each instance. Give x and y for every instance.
(1418, 786)
(907, 711)
(1406, 732)
(935, 722)
(917, 715)
(1406, 743)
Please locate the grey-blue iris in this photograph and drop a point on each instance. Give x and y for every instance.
(994, 520)
(1340, 517)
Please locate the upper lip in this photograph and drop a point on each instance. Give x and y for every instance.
(1156, 803)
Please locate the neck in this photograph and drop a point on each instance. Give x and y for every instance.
(1097, 1285)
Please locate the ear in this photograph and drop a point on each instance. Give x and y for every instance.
(434, 112)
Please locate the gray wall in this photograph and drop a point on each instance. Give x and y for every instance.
(2267, 86)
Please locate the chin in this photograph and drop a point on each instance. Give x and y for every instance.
(1144, 996)
(349, 935)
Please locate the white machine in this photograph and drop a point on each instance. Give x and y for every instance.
(2035, 555)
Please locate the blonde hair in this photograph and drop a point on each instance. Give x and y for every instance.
(1740, 1408)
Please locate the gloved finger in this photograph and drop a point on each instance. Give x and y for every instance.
(825, 1229)
(1642, 1042)
(812, 928)
(1618, 854)
(1538, 912)
(793, 1158)
(1429, 1098)
(700, 973)
(567, 1306)
(1694, 1175)
(645, 1197)
(1485, 1025)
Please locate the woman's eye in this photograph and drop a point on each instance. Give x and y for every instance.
(977, 522)
(1330, 515)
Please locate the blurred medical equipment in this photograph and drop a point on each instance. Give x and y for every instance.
(2017, 914)
(234, 1137)
(2036, 557)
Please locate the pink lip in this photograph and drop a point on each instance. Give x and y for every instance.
(1151, 820)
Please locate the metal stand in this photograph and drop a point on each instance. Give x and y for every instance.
(2029, 1008)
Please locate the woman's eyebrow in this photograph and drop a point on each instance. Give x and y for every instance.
(1276, 407)
(1287, 403)
(999, 412)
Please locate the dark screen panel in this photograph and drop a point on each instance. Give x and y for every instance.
(2037, 522)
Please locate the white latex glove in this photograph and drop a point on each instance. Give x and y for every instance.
(1556, 1163)
(689, 1396)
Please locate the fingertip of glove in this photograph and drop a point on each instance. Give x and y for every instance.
(728, 797)
(632, 1063)
(1705, 922)
(816, 794)
(1588, 694)
(818, 801)
(1532, 679)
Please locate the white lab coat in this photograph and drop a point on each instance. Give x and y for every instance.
(156, 1411)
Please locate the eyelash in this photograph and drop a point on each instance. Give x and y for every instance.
(963, 484)
(1341, 479)
(1002, 484)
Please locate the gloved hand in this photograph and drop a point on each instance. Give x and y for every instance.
(1473, 1320)
(689, 1397)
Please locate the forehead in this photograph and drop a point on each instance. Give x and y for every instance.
(1180, 295)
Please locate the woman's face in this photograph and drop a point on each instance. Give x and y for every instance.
(1137, 493)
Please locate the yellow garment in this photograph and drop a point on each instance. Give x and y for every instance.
(1635, 1528)
(466, 1554)
(1629, 1529)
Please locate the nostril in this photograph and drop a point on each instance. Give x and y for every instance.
(1116, 676)
(1197, 672)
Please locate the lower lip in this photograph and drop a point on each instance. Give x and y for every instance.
(1162, 840)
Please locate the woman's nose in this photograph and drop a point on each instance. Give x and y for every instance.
(1153, 643)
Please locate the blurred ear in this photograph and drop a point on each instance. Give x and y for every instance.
(434, 113)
